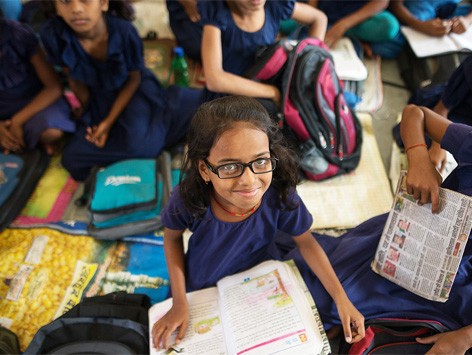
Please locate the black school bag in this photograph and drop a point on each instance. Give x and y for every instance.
(393, 336)
(313, 105)
(116, 323)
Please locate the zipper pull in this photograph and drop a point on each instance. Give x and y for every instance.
(340, 152)
(322, 140)
(331, 139)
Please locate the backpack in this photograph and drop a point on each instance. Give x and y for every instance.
(125, 198)
(116, 323)
(328, 132)
(19, 174)
(8, 342)
(393, 336)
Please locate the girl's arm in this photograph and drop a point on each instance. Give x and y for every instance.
(178, 315)
(313, 17)
(99, 134)
(218, 80)
(352, 320)
(339, 28)
(50, 93)
(423, 179)
(433, 27)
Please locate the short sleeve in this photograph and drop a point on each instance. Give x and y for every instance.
(297, 221)
(25, 40)
(134, 49)
(210, 13)
(283, 9)
(50, 41)
(174, 215)
(459, 86)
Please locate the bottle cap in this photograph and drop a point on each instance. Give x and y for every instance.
(179, 51)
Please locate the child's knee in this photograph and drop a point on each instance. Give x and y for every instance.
(51, 135)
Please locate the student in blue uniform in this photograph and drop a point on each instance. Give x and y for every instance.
(184, 21)
(237, 192)
(32, 109)
(126, 112)
(352, 253)
(433, 17)
(364, 19)
(233, 31)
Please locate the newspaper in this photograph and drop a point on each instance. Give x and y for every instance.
(421, 251)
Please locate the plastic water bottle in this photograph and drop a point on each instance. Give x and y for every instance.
(180, 68)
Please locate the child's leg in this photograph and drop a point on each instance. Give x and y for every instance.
(379, 28)
(57, 116)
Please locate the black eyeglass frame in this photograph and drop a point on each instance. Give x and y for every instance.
(274, 162)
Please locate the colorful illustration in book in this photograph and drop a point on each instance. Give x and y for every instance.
(399, 239)
(399, 204)
(403, 225)
(393, 254)
(205, 325)
(270, 286)
(389, 268)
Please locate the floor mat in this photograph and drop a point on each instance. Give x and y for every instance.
(348, 200)
(50, 198)
(46, 270)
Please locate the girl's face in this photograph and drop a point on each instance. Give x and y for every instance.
(242, 144)
(82, 15)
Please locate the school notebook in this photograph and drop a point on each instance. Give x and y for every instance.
(424, 45)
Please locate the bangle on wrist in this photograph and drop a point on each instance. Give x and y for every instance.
(416, 145)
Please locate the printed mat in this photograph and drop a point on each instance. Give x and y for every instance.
(46, 270)
(347, 200)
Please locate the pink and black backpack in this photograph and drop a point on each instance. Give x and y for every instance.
(313, 105)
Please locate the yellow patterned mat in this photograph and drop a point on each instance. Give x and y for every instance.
(348, 200)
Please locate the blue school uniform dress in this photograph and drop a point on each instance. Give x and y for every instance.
(375, 296)
(217, 249)
(239, 47)
(19, 83)
(187, 33)
(457, 95)
(154, 118)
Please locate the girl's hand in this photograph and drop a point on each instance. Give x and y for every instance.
(423, 179)
(438, 156)
(334, 34)
(459, 24)
(190, 8)
(98, 135)
(454, 342)
(436, 27)
(352, 321)
(177, 316)
(7, 139)
(16, 130)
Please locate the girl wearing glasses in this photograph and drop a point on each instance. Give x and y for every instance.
(238, 191)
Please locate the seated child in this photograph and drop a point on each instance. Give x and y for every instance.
(433, 17)
(352, 253)
(237, 192)
(364, 19)
(125, 112)
(233, 31)
(32, 109)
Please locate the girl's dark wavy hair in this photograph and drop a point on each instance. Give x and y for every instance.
(209, 123)
(117, 8)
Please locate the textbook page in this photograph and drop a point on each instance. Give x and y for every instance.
(421, 251)
(425, 45)
(346, 61)
(265, 311)
(204, 333)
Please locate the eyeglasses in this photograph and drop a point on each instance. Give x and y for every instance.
(233, 170)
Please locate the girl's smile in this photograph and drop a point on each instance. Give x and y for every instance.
(242, 144)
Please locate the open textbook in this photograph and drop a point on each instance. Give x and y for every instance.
(421, 251)
(265, 310)
(425, 45)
